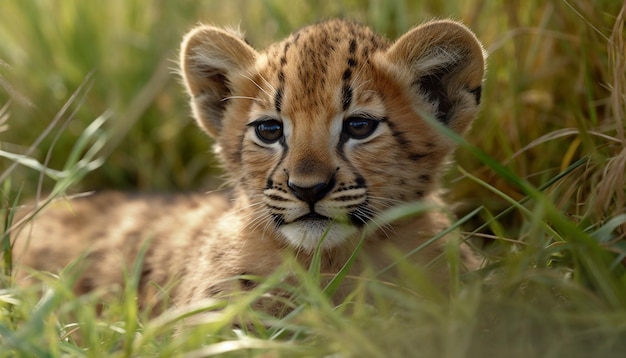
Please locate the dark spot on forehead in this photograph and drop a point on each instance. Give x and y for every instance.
(278, 99)
(352, 46)
(346, 74)
(346, 91)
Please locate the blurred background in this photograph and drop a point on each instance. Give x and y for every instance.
(551, 96)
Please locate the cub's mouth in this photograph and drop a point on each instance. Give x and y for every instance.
(312, 216)
(311, 230)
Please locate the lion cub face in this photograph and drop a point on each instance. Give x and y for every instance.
(323, 131)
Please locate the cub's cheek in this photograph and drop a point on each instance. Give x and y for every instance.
(261, 161)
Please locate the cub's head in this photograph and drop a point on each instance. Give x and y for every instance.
(323, 131)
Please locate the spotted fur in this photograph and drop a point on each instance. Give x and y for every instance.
(319, 135)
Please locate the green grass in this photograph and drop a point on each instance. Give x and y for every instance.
(538, 184)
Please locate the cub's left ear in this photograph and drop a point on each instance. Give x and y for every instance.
(444, 63)
(211, 59)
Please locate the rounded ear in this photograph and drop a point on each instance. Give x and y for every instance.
(210, 58)
(445, 64)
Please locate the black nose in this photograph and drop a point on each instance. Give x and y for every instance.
(312, 194)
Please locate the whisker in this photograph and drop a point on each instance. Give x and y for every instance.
(260, 87)
(268, 84)
(384, 199)
(356, 78)
(241, 97)
(384, 226)
(233, 212)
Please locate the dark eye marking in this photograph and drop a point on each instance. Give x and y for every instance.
(359, 126)
(267, 129)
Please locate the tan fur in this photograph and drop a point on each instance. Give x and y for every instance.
(314, 95)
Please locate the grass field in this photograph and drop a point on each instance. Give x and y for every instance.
(89, 100)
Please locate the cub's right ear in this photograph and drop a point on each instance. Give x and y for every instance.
(210, 58)
(442, 62)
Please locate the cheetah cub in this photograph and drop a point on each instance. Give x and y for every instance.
(319, 135)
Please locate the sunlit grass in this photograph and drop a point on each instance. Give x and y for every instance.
(539, 183)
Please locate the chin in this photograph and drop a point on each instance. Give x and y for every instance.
(306, 235)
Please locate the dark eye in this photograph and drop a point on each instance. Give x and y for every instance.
(359, 127)
(269, 131)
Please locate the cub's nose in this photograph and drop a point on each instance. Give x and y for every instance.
(311, 194)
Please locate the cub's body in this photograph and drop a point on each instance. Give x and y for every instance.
(109, 229)
(319, 135)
